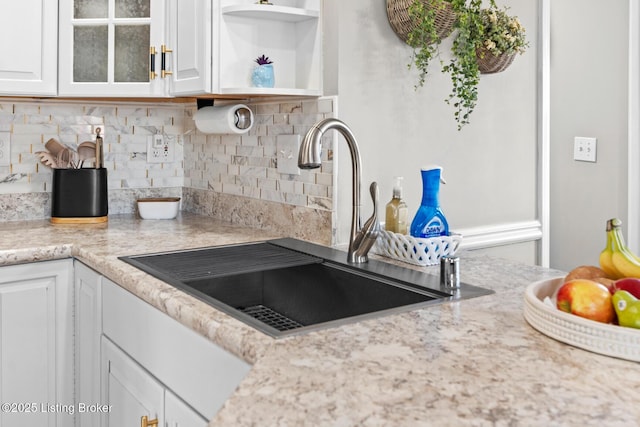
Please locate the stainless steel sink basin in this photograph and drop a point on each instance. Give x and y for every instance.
(288, 286)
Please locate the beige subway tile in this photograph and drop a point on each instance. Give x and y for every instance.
(272, 196)
(234, 189)
(291, 107)
(265, 108)
(37, 129)
(296, 199)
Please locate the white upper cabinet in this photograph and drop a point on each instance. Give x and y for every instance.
(111, 48)
(159, 48)
(29, 48)
(189, 36)
(288, 32)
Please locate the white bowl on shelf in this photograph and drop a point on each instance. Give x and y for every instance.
(158, 207)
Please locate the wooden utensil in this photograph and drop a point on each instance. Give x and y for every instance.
(54, 146)
(86, 152)
(47, 159)
(99, 152)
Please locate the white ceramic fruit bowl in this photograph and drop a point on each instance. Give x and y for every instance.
(602, 338)
(158, 207)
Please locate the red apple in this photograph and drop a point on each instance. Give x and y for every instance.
(629, 284)
(586, 298)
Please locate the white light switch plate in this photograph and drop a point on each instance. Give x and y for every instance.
(5, 149)
(288, 147)
(584, 149)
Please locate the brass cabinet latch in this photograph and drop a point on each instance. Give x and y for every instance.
(152, 63)
(145, 422)
(163, 61)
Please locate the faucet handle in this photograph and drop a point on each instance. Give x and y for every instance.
(375, 195)
(368, 235)
(372, 226)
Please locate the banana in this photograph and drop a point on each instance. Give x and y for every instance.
(626, 264)
(606, 262)
(623, 260)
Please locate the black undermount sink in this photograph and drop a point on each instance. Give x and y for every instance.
(287, 286)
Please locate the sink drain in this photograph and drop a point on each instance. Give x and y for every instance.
(272, 318)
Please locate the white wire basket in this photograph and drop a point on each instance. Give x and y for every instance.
(414, 250)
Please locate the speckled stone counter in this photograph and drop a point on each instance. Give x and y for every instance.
(472, 363)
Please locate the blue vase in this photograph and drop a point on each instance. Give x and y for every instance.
(262, 76)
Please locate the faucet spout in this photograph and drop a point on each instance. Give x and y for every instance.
(309, 157)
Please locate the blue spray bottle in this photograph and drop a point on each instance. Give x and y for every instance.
(429, 220)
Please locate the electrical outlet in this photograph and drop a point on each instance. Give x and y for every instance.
(288, 147)
(5, 149)
(584, 149)
(159, 149)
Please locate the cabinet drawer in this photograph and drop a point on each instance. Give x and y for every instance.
(201, 373)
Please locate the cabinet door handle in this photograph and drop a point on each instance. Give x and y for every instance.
(163, 61)
(152, 63)
(145, 422)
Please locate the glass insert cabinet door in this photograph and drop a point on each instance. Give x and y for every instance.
(108, 47)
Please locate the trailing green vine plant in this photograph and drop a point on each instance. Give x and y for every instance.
(477, 31)
(424, 38)
(463, 66)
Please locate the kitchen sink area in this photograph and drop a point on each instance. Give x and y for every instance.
(287, 286)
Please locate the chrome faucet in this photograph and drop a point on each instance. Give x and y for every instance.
(362, 238)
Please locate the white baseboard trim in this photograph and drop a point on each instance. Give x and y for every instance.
(500, 234)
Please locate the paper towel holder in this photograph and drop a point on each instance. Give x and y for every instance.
(202, 102)
(224, 119)
(244, 118)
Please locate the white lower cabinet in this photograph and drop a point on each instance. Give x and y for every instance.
(88, 328)
(133, 393)
(129, 391)
(77, 349)
(178, 414)
(36, 344)
(133, 361)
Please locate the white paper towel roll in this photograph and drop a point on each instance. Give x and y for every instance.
(236, 118)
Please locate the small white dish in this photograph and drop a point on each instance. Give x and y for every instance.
(158, 207)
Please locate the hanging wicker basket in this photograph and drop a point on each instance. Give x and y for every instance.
(488, 63)
(402, 24)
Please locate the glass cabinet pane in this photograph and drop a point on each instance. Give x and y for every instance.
(133, 8)
(87, 9)
(131, 53)
(90, 53)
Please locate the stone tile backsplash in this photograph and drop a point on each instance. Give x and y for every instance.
(125, 130)
(247, 165)
(232, 165)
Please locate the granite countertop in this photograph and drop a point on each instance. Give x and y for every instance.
(475, 362)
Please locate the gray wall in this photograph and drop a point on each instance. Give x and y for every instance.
(490, 165)
(589, 60)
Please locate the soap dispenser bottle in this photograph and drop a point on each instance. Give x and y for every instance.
(429, 220)
(397, 212)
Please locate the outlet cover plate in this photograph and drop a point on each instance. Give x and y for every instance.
(288, 147)
(159, 149)
(584, 149)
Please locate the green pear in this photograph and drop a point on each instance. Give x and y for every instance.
(627, 308)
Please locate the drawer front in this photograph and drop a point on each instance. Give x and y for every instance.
(195, 369)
